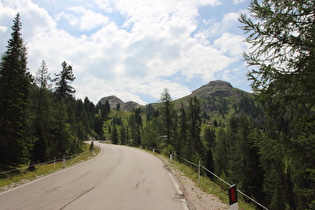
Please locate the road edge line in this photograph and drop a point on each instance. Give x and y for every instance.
(48, 175)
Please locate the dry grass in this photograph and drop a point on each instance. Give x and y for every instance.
(24, 175)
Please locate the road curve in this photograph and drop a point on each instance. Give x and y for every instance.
(119, 178)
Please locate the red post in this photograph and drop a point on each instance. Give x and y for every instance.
(233, 197)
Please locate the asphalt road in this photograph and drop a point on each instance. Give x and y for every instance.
(119, 178)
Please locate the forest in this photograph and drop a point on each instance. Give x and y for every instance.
(39, 116)
(264, 142)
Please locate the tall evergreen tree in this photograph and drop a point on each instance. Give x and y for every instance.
(183, 145)
(167, 115)
(194, 119)
(123, 135)
(221, 153)
(42, 98)
(114, 135)
(135, 124)
(209, 138)
(15, 83)
(63, 88)
(283, 41)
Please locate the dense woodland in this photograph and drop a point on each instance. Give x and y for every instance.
(263, 142)
(39, 117)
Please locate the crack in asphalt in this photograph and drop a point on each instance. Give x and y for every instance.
(87, 191)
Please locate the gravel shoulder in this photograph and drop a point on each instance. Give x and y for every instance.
(195, 197)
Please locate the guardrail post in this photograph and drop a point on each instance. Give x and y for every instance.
(171, 157)
(233, 198)
(198, 170)
(64, 160)
(153, 150)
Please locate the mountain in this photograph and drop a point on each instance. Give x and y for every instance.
(217, 96)
(113, 101)
(215, 88)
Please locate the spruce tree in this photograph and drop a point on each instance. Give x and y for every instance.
(42, 99)
(194, 119)
(63, 88)
(15, 83)
(114, 135)
(282, 37)
(167, 115)
(183, 145)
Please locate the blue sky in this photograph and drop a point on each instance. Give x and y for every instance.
(133, 49)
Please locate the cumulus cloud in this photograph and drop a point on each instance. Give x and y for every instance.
(85, 19)
(107, 5)
(160, 45)
(238, 1)
(231, 44)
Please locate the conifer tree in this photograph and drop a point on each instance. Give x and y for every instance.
(194, 119)
(15, 83)
(42, 98)
(114, 135)
(63, 88)
(167, 115)
(282, 37)
(183, 145)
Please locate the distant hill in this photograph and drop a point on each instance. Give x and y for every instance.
(113, 101)
(219, 100)
(216, 96)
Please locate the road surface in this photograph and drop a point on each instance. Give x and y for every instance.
(119, 178)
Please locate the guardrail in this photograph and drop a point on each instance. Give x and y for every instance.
(199, 167)
(55, 160)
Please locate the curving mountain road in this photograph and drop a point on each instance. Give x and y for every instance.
(119, 178)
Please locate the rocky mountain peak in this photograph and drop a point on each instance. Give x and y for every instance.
(219, 83)
(215, 88)
(113, 101)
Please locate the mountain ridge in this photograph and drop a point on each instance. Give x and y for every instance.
(114, 100)
(214, 89)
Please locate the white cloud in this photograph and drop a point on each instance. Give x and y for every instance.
(107, 5)
(3, 29)
(228, 22)
(158, 47)
(231, 44)
(84, 19)
(238, 1)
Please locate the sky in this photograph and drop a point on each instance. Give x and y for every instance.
(133, 49)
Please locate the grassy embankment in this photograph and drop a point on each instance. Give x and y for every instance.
(205, 183)
(23, 175)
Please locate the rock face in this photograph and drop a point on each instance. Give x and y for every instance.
(215, 88)
(130, 105)
(113, 101)
(220, 83)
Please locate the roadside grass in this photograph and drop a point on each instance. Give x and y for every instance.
(205, 183)
(210, 187)
(24, 175)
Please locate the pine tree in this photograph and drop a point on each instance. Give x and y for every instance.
(194, 119)
(167, 115)
(135, 124)
(221, 153)
(282, 37)
(183, 145)
(123, 135)
(114, 135)
(15, 83)
(209, 138)
(63, 88)
(42, 98)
